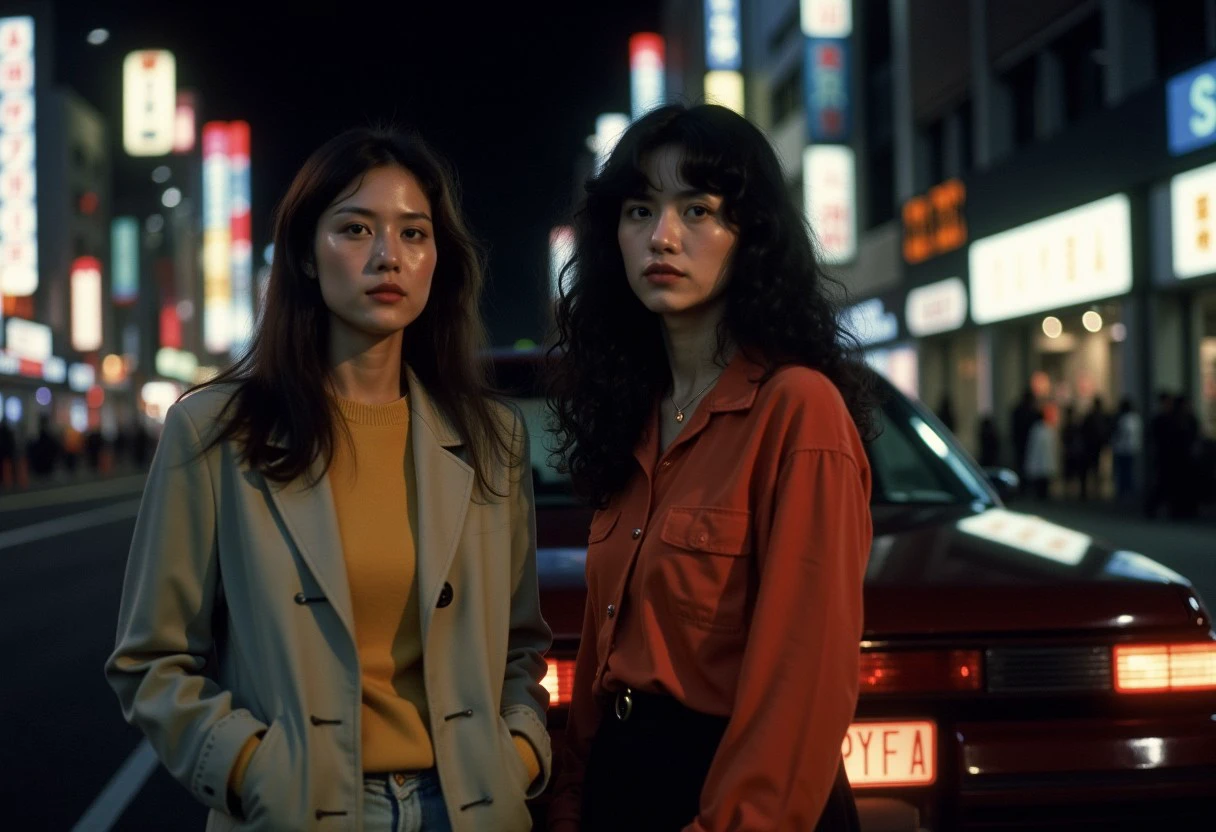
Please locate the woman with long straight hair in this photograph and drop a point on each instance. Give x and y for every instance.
(708, 405)
(331, 618)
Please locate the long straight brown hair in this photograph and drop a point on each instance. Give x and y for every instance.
(282, 413)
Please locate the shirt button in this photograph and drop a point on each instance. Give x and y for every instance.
(702, 538)
(611, 610)
(637, 533)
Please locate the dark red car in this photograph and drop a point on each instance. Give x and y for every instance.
(1016, 674)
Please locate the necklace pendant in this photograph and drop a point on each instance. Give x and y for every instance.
(679, 415)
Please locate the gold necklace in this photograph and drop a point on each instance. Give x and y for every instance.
(680, 410)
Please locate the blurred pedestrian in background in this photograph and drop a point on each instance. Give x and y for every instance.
(1076, 454)
(1127, 444)
(990, 443)
(1043, 452)
(1025, 415)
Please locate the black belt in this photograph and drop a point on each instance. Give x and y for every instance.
(629, 705)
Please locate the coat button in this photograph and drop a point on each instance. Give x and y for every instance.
(637, 533)
(445, 596)
(611, 610)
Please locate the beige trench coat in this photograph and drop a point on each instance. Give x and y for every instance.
(236, 618)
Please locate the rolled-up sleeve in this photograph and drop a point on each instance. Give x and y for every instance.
(797, 691)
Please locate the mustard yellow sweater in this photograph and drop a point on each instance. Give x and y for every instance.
(372, 478)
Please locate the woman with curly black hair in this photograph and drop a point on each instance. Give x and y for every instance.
(709, 407)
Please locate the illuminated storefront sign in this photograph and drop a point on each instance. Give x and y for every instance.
(870, 322)
(27, 340)
(54, 370)
(217, 233)
(241, 238)
(81, 377)
(647, 57)
(1192, 208)
(830, 198)
(723, 45)
(18, 179)
(608, 130)
(725, 87)
(825, 69)
(86, 304)
(1074, 257)
(173, 363)
(1190, 100)
(934, 223)
(124, 260)
(827, 18)
(898, 365)
(561, 249)
(149, 102)
(184, 122)
(937, 307)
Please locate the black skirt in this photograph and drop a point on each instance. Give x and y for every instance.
(646, 773)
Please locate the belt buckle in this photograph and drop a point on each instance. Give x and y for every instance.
(623, 706)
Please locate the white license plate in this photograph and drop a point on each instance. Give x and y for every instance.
(891, 753)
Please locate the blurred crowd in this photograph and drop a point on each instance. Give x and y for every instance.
(53, 455)
(1163, 462)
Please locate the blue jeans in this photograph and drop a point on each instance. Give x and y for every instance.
(404, 803)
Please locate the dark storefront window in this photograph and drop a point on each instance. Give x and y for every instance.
(966, 138)
(934, 149)
(880, 119)
(1082, 60)
(787, 94)
(1181, 29)
(1020, 82)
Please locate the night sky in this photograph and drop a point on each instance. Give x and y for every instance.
(507, 91)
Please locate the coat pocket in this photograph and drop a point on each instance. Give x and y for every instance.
(264, 780)
(705, 566)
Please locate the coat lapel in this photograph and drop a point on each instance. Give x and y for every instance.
(310, 518)
(444, 484)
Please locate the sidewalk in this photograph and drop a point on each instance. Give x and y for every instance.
(70, 489)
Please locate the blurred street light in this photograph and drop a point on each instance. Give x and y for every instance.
(1092, 321)
(1052, 327)
(171, 198)
(161, 174)
(98, 36)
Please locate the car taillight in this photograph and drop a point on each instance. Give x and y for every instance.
(921, 671)
(559, 681)
(1149, 668)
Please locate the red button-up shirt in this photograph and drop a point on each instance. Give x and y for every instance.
(728, 574)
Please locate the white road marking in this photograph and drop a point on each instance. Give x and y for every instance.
(120, 791)
(72, 523)
(73, 493)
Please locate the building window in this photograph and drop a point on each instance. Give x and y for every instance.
(966, 139)
(933, 155)
(1181, 32)
(1082, 61)
(787, 94)
(880, 117)
(1020, 82)
(790, 25)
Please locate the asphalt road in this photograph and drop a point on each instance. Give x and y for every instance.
(69, 759)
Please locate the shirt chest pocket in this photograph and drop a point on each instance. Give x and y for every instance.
(705, 566)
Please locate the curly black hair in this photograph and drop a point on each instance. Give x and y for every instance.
(608, 360)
